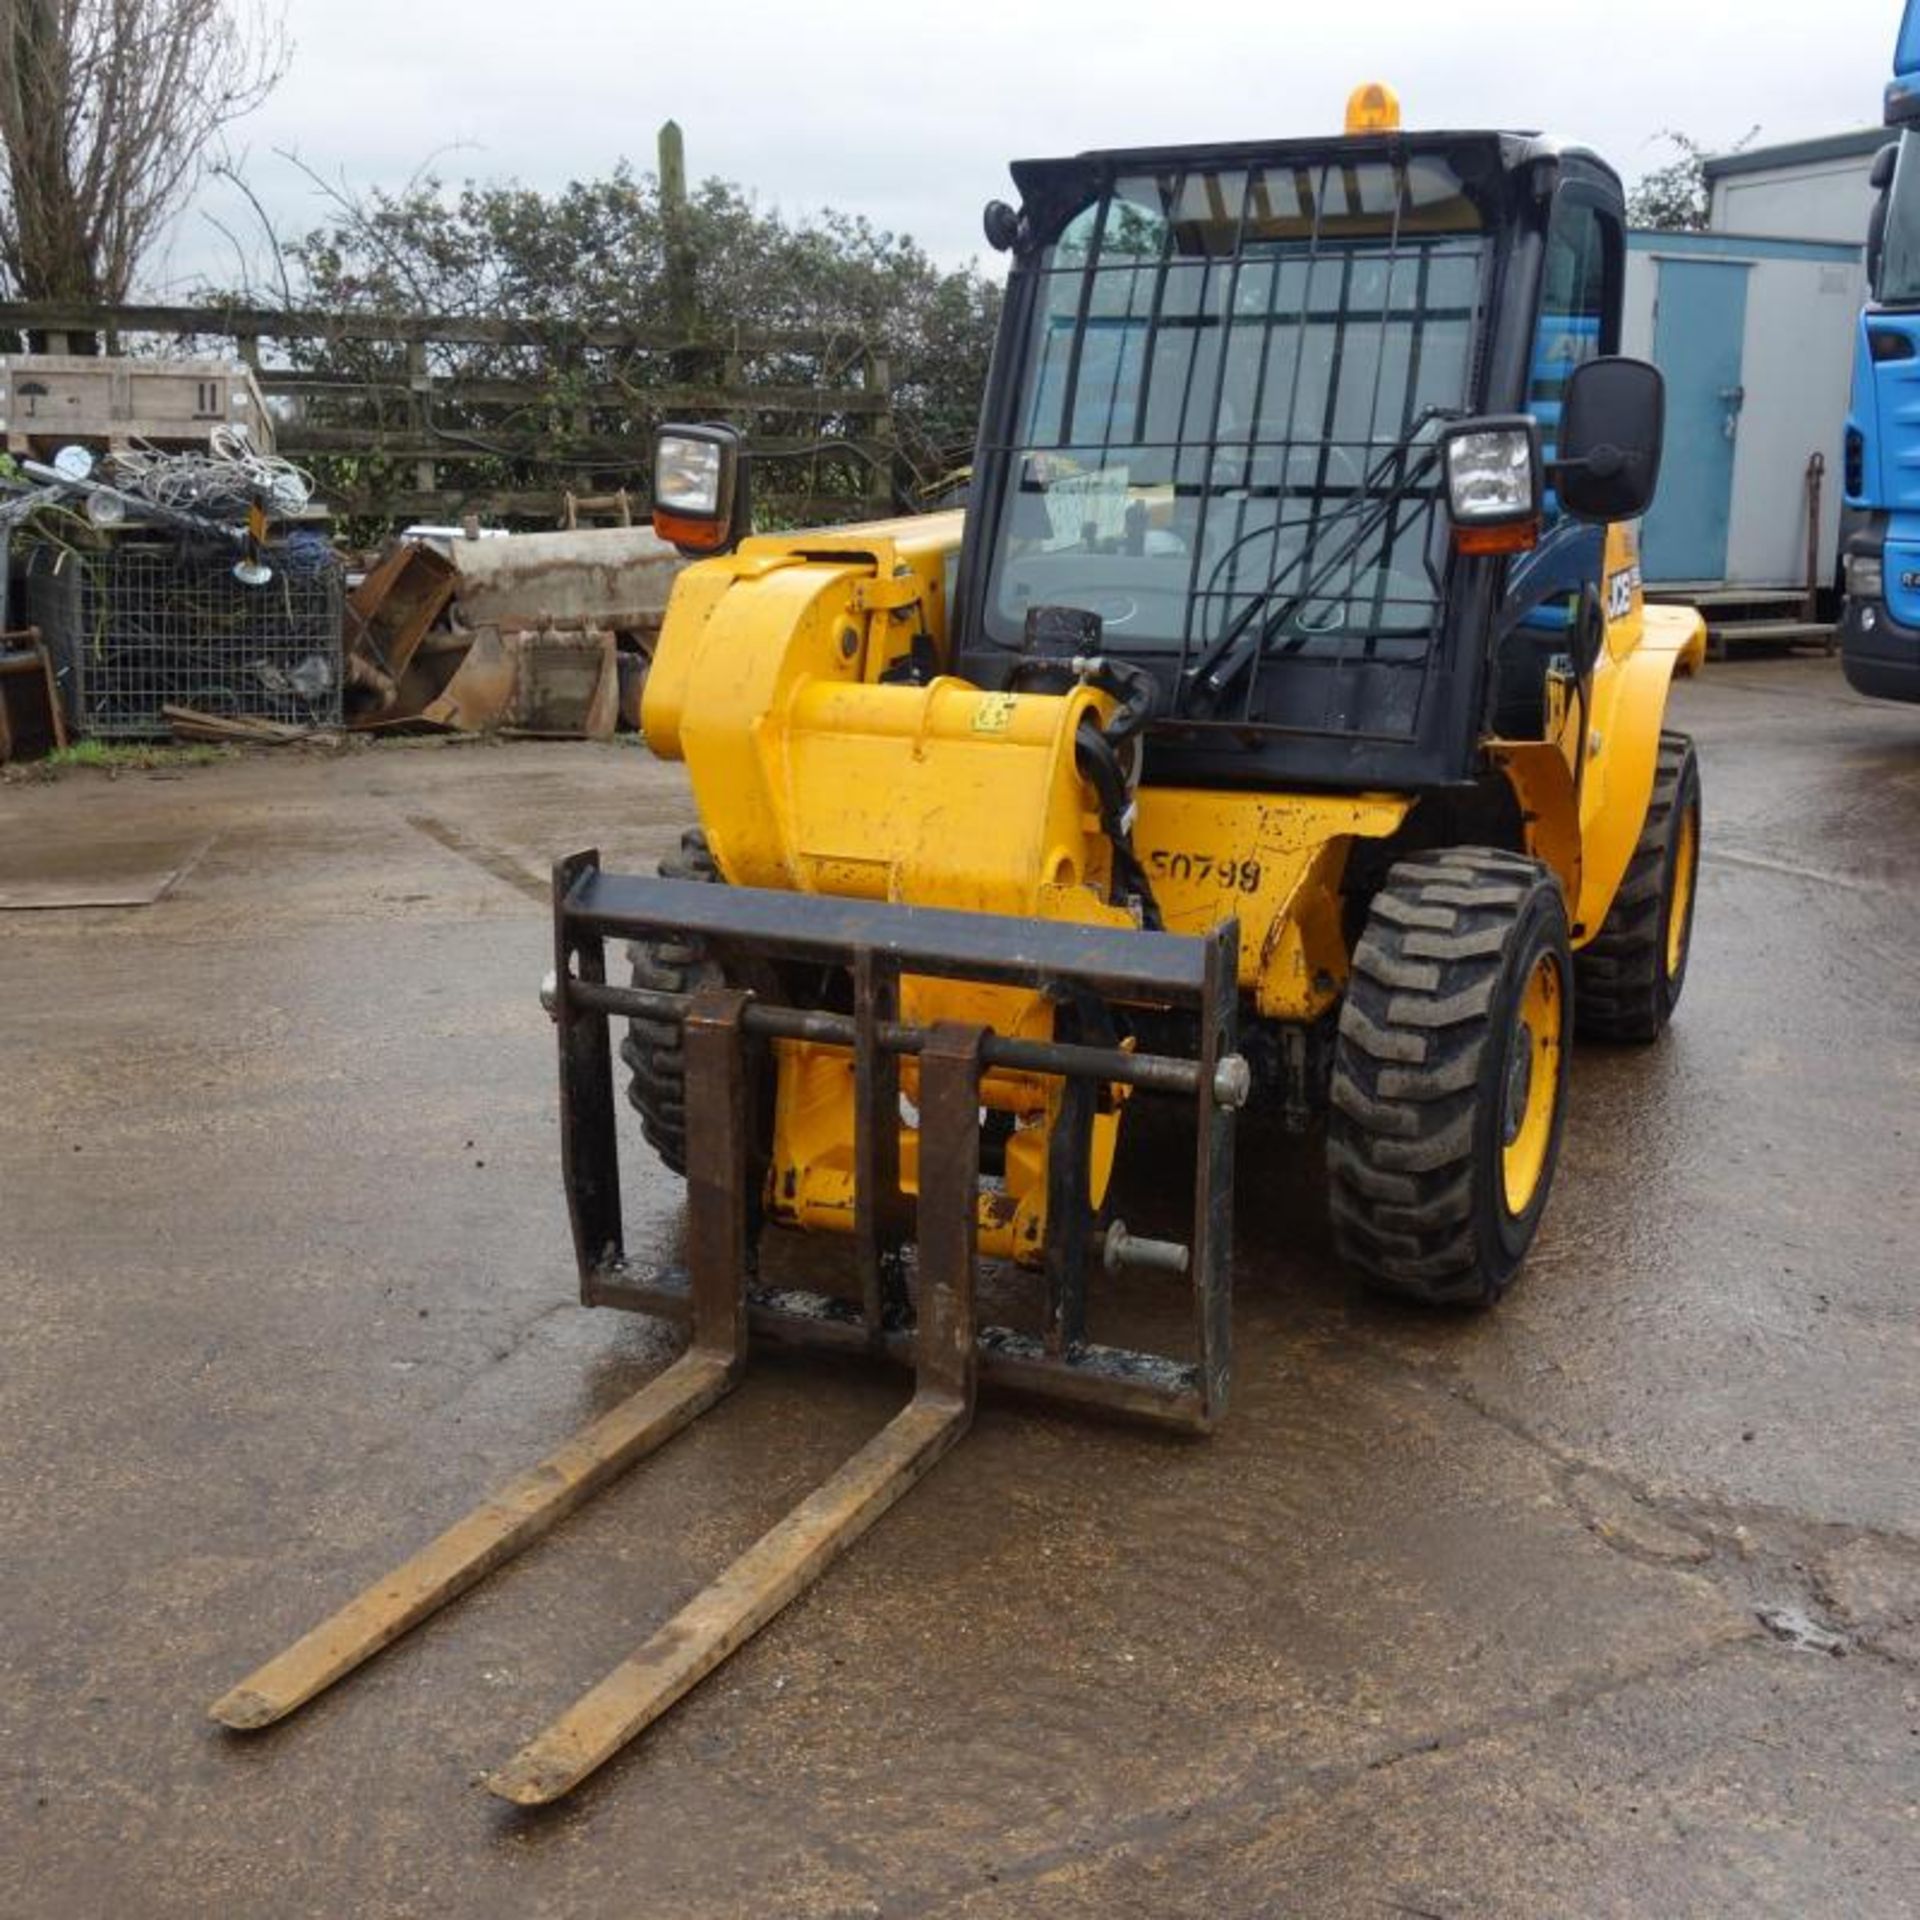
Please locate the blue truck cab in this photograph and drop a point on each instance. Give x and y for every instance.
(1880, 625)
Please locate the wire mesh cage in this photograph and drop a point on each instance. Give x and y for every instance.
(143, 624)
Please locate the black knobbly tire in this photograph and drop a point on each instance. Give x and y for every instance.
(1629, 975)
(655, 1050)
(1462, 967)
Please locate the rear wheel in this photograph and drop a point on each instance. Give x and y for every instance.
(655, 1051)
(1449, 1074)
(1629, 975)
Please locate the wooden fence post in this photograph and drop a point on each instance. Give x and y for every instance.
(426, 477)
(878, 378)
(681, 262)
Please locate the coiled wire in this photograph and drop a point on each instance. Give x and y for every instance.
(220, 484)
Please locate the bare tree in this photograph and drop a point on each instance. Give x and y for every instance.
(106, 107)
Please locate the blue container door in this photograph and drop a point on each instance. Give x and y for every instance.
(1699, 320)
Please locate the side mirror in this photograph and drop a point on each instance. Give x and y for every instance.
(1611, 424)
(700, 487)
(1880, 180)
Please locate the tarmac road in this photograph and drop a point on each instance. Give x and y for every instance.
(1607, 1603)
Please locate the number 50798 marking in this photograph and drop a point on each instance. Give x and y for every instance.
(1242, 876)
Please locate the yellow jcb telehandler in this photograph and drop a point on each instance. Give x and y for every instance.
(1280, 723)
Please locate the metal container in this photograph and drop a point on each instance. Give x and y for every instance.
(140, 624)
(618, 577)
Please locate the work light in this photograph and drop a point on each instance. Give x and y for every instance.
(1493, 483)
(105, 509)
(695, 481)
(687, 475)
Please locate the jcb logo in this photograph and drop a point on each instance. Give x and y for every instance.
(1621, 587)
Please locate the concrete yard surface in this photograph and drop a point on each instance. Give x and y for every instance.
(1604, 1603)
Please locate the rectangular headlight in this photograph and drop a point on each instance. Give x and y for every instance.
(687, 475)
(1493, 476)
(1866, 577)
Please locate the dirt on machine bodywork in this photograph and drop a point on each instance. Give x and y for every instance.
(1224, 637)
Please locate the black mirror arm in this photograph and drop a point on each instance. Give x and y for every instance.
(1603, 462)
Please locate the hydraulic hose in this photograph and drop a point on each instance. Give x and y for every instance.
(1096, 754)
(1099, 766)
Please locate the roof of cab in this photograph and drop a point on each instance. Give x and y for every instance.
(1514, 151)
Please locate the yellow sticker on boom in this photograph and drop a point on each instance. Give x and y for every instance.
(994, 714)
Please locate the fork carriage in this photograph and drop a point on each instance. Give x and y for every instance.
(916, 1255)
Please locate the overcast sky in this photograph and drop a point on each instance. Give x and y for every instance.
(909, 114)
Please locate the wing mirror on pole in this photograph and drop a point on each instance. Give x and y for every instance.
(1611, 424)
(1880, 180)
(1612, 417)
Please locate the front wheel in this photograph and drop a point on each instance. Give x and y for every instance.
(1630, 973)
(1449, 1074)
(655, 1051)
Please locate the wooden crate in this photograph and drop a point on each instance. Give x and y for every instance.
(51, 400)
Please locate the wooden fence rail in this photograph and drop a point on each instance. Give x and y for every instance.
(416, 416)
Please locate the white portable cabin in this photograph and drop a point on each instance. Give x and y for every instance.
(1752, 322)
(1806, 190)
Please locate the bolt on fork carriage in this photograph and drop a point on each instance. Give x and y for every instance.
(718, 1298)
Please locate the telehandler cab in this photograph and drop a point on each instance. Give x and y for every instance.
(1281, 723)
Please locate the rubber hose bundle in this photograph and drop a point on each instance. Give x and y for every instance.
(1100, 767)
(1097, 758)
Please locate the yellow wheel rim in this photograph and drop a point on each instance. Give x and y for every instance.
(1532, 1095)
(1686, 863)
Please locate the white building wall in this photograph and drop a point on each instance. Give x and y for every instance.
(1818, 200)
(1796, 366)
(1636, 309)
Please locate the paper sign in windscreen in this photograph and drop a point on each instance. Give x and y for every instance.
(1083, 507)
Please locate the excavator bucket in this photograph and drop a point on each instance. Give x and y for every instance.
(917, 1255)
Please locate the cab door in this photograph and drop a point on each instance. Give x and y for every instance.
(1555, 611)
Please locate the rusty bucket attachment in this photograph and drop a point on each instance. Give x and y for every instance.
(930, 1326)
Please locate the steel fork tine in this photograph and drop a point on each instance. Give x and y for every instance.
(786, 1561)
(535, 1501)
(493, 1533)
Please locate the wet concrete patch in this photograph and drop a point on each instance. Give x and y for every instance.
(44, 871)
(1457, 1615)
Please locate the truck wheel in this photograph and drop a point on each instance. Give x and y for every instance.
(655, 1050)
(1628, 977)
(1449, 1074)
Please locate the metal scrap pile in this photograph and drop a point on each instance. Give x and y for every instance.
(168, 594)
(161, 582)
(545, 634)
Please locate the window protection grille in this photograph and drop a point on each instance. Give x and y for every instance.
(1225, 440)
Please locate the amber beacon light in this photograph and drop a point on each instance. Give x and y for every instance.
(1373, 109)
